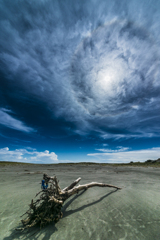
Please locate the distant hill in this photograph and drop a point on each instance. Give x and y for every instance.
(153, 161)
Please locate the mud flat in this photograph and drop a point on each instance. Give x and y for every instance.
(97, 214)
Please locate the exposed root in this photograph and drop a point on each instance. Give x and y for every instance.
(47, 208)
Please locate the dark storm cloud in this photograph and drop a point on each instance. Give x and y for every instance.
(95, 63)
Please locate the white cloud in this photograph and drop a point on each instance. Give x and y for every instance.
(125, 156)
(120, 149)
(105, 144)
(29, 155)
(11, 122)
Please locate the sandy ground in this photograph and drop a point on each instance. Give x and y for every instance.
(97, 214)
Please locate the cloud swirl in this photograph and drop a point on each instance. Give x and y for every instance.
(94, 63)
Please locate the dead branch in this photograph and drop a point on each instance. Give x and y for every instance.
(89, 185)
(47, 207)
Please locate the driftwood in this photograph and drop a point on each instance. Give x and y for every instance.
(47, 207)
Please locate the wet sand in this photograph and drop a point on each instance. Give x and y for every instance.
(97, 214)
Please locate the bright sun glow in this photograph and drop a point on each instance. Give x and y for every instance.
(109, 78)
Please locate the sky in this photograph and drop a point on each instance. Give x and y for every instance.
(79, 80)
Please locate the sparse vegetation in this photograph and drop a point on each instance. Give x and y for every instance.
(148, 163)
(6, 163)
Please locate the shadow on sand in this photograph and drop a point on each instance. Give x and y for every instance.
(46, 232)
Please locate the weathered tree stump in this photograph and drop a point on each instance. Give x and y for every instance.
(47, 207)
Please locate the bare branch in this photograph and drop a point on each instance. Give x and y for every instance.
(89, 185)
(72, 185)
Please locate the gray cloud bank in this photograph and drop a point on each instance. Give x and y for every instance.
(95, 63)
